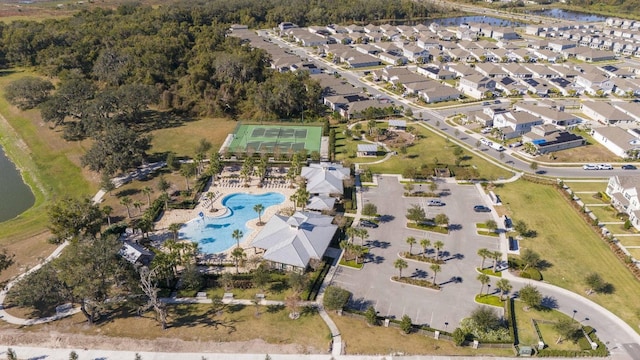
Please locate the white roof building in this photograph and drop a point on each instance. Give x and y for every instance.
(291, 242)
(325, 178)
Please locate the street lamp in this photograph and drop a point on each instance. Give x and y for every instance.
(445, 325)
(574, 314)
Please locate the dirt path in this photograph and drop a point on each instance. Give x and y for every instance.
(55, 339)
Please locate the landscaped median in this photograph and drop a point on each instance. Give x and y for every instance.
(416, 282)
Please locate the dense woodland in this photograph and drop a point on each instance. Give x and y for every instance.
(110, 65)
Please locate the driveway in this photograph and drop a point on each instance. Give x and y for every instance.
(439, 309)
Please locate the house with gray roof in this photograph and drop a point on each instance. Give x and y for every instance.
(548, 138)
(290, 243)
(622, 142)
(605, 113)
(550, 116)
(623, 191)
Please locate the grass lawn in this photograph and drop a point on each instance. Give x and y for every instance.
(604, 213)
(357, 336)
(184, 139)
(527, 333)
(587, 186)
(634, 252)
(571, 247)
(50, 166)
(492, 300)
(272, 293)
(351, 264)
(431, 146)
(630, 240)
(202, 323)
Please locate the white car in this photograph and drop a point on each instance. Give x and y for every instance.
(486, 130)
(590, 167)
(605, 167)
(486, 142)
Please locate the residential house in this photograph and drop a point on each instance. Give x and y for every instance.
(628, 108)
(594, 55)
(503, 33)
(510, 86)
(594, 82)
(548, 138)
(355, 110)
(624, 191)
(549, 115)
(626, 87)
(514, 124)
(624, 143)
(606, 114)
(477, 85)
(396, 124)
(416, 54)
(439, 93)
(291, 243)
(435, 72)
(560, 45)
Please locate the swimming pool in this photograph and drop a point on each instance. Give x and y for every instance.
(213, 234)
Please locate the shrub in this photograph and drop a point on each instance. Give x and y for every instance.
(531, 273)
(335, 298)
(405, 324)
(459, 337)
(627, 224)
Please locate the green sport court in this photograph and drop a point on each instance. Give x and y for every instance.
(268, 138)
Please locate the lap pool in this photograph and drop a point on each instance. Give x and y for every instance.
(213, 234)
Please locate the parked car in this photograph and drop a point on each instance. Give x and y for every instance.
(486, 130)
(435, 203)
(481, 208)
(590, 167)
(515, 144)
(629, 167)
(605, 167)
(486, 142)
(368, 224)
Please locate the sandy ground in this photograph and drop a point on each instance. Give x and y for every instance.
(56, 339)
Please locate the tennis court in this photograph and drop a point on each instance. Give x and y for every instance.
(272, 138)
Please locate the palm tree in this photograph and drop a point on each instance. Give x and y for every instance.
(436, 269)
(237, 235)
(107, 210)
(175, 228)
(351, 233)
(163, 185)
(495, 256)
(363, 234)
(484, 280)
(400, 264)
(138, 205)
(259, 208)
(504, 286)
(484, 254)
(237, 254)
(438, 245)
(126, 201)
(411, 241)
(147, 191)
(359, 251)
(187, 170)
(425, 243)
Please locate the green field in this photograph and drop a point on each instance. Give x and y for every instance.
(630, 240)
(578, 186)
(570, 246)
(429, 148)
(276, 138)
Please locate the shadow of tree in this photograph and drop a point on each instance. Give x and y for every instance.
(359, 304)
(549, 303)
(455, 227)
(379, 244)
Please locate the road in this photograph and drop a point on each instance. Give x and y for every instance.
(620, 338)
(434, 119)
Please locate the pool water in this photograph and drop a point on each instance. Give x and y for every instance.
(213, 234)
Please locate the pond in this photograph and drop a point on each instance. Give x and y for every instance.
(15, 195)
(568, 15)
(456, 21)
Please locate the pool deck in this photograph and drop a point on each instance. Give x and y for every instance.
(223, 188)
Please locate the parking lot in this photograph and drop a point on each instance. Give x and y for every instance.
(372, 285)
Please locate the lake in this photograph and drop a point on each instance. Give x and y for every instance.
(15, 195)
(568, 15)
(454, 21)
